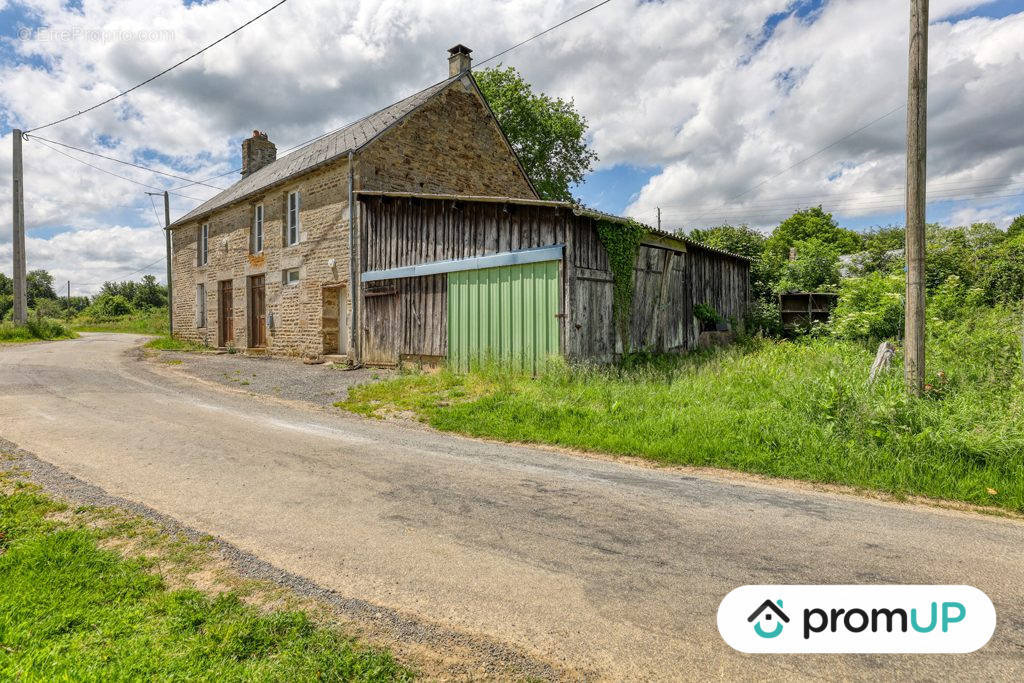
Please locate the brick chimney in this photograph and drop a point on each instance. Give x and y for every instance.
(257, 152)
(458, 60)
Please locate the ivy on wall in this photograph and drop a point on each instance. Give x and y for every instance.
(622, 241)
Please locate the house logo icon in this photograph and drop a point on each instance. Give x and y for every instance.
(765, 614)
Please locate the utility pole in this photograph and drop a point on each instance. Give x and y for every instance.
(167, 241)
(917, 128)
(69, 300)
(20, 286)
(659, 219)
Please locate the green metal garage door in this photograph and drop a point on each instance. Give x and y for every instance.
(506, 314)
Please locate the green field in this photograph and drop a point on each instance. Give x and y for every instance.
(800, 410)
(71, 609)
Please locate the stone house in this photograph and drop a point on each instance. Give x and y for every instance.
(267, 265)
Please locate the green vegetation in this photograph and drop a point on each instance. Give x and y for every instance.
(35, 329)
(73, 609)
(799, 410)
(548, 135)
(166, 343)
(622, 241)
(152, 321)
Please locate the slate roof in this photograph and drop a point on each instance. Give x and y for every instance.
(317, 153)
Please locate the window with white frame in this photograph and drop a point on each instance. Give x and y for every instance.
(291, 276)
(292, 222)
(200, 305)
(256, 239)
(203, 245)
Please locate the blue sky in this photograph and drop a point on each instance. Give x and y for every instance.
(697, 113)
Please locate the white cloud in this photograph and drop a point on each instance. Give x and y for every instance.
(685, 86)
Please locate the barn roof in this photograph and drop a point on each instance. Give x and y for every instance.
(577, 209)
(319, 152)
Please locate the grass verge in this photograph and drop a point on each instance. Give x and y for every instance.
(152, 321)
(73, 606)
(171, 344)
(35, 329)
(797, 410)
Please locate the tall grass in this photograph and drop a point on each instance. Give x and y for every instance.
(34, 329)
(151, 321)
(789, 409)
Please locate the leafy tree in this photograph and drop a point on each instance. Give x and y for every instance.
(126, 289)
(548, 135)
(815, 268)
(6, 305)
(1016, 227)
(1001, 278)
(6, 285)
(108, 306)
(808, 224)
(149, 294)
(38, 285)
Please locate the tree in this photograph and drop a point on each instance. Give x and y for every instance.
(548, 135)
(38, 285)
(149, 294)
(6, 285)
(812, 223)
(1016, 227)
(815, 268)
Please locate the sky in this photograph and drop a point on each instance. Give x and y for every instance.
(713, 110)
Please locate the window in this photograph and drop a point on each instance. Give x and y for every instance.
(203, 244)
(201, 304)
(291, 276)
(256, 239)
(292, 224)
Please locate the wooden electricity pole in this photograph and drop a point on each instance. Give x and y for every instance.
(20, 287)
(917, 125)
(659, 219)
(167, 238)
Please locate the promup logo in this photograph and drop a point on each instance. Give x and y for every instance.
(857, 619)
(765, 613)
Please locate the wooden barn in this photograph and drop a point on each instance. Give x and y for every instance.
(460, 278)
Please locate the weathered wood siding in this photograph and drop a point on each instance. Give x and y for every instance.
(402, 231)
(408, 317)
(721, 281)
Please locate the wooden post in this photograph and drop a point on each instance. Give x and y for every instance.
(659, 219)
(69, 300)
(18, 200)
(167, 240)
(917, 124)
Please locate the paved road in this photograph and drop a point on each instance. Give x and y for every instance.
(596, 567)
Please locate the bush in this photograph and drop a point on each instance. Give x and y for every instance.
(33, 329)
(107, 306)
(869, 307)
(815, 268)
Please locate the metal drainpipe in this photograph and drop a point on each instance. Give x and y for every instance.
(353, 285)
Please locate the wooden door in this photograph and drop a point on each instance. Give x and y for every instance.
(257, 312)
(225, 313)
(335, 320)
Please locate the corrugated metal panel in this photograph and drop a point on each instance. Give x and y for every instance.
(507, 315)
(507, 258)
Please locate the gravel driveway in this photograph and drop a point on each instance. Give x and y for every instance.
(287, 378)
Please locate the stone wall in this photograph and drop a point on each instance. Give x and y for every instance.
(295, 310)
(450, 145)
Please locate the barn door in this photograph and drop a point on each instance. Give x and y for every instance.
(381, 324)
(508, 314)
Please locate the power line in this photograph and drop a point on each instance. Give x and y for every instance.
(116, 175)
(538, 35)
(115, 277)
(816, 153)
(153, 78)
(126, 163)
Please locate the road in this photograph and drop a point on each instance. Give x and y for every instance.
(600, 569)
